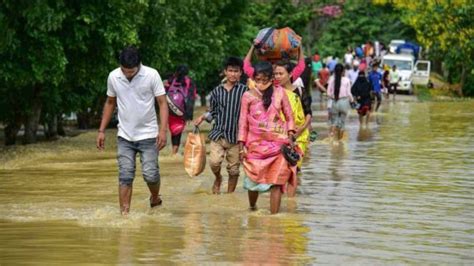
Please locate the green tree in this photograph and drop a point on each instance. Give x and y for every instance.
(180, 32)
(55, 56)
(32, 62)
(92, 41)
(448, 28)
(358, 23)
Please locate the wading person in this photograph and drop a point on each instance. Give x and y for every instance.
(375, 78)
(182, 90)
(134, 88)
(339, 89)
(386, 81)
(361, 92)
(262, 132)
(301, 110)
(224, 110)
(394, 79)
(353, 73)
(321, 82)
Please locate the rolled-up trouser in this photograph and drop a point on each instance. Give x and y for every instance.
(126, 154)
(220, 149)
(339, 111)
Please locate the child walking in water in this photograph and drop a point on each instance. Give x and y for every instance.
(224, 110)
(262, 132)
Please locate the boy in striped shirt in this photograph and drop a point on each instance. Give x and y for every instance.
(224, 110)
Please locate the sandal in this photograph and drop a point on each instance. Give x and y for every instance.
(160, 201)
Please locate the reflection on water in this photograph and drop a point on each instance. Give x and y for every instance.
(397, 192)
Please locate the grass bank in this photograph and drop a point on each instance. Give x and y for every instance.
(441, 91)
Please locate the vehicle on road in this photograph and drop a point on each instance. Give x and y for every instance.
(411, 71)
(392, 47)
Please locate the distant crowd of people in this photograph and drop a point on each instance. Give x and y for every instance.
(367, 82)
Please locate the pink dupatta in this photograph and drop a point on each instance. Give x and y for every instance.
(263, 132)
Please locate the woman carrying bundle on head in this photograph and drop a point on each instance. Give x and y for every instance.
(262, 134)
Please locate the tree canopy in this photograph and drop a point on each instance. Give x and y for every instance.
(55, 55)
(358, 22)
(445, 27)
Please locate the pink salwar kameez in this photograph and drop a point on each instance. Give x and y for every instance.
(263, 132)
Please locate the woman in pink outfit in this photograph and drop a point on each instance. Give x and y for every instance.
(262, 132)
(339, 90)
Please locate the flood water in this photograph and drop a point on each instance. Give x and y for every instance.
(400, 192)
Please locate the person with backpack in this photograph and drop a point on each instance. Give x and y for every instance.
(181, 93)
(224, 110)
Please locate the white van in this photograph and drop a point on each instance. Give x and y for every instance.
(410, 73)
(392, 47)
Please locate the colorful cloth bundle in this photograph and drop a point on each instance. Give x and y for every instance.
(276, 44)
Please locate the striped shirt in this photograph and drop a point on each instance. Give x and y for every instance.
(225, 111)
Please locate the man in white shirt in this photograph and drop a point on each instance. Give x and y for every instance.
(134, 87)
(394, 77)
(353, 73)
(348, 57)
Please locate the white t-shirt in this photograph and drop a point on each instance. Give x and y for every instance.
(348, 59)
(352, 75)
(394, 76)
(136, 102)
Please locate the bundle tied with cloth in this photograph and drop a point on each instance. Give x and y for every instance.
(195, 153)
(275, 44)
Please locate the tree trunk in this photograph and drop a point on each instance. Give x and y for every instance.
(438, 66)
(32, 119)
(203, 99)
(83, 120)
(61, 131)
(11, 130)
(53, 127)
(463, 78)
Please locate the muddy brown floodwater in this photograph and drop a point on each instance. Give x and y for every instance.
(400, 192)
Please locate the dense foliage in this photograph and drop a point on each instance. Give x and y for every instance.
(55, 55)
(357, 23)
(447, 28)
